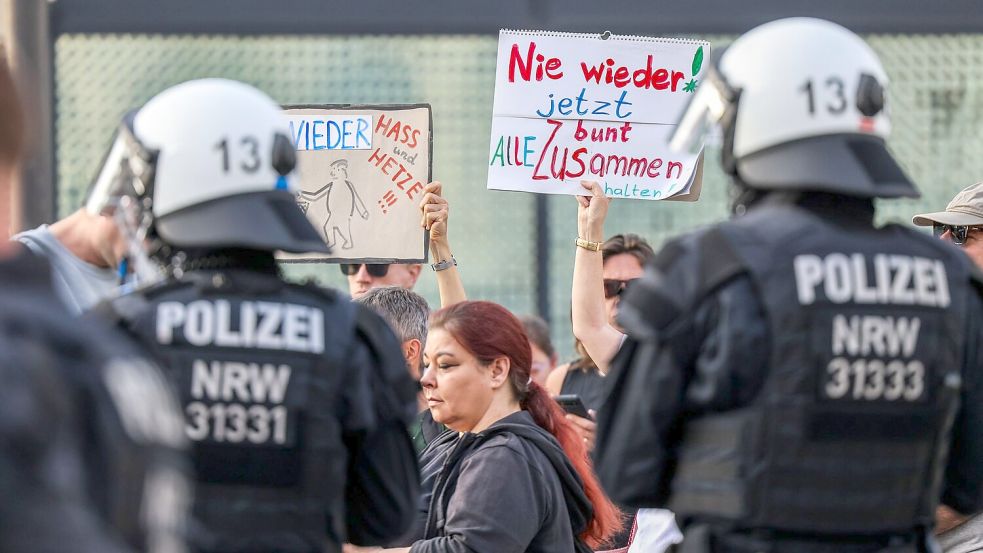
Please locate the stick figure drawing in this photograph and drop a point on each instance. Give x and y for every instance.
(341, 202)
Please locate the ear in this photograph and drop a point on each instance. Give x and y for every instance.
(414, 270)
(412, 351)
(498, 372)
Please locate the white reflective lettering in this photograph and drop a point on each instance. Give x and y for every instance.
(169, 315)
(235, 385)
(205, 379)
(269, 383)
(224, 335)
(839, 282)
(199, 326)
(808, 274)
(863, 292)
(846, 335)
(901, 294)
(941, 284)
(897, 279)
(263, 325)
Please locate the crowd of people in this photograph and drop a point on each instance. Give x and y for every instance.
(796, 378)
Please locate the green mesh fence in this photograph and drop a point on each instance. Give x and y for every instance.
(936, 104)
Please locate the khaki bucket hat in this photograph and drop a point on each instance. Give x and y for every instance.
(965, 209)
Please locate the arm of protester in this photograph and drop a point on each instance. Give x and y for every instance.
(434, 209)
(946, 518)
(590, 321)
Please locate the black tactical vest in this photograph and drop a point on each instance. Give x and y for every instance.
(259, 366)
(82, 408)
(849, 433)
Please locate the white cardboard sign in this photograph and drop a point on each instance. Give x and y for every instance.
(571, 107)
(362, 171)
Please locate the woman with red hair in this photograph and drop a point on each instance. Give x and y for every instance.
(515, 476)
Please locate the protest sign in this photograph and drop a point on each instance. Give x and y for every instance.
(362, 171)
(571, 107)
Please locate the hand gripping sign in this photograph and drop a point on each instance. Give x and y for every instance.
(362, 171)
(571, 107)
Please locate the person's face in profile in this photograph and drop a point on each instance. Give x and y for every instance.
(458, 388)
(619, 271)
(969, 238)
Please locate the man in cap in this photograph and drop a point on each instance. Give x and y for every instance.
(797, 378)
(960, 224)
(296, 399)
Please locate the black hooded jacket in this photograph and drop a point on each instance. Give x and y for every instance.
(508, 489)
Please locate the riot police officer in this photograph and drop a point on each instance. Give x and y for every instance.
(798, 378)
(296, 400)
(92, 448)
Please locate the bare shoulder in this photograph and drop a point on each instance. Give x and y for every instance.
(554, 381)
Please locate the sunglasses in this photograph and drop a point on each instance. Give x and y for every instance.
(959, 232)
(374, 269)
(613, 287)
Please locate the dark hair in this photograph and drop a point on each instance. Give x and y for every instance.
(489, 331)
(629, 243)
(11, 116)
(539, 333)
(633, 245)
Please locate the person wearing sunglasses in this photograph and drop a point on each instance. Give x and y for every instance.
(602, 273)
(363, 277)
(960, 223)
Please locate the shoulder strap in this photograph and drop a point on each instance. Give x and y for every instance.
(682, 274)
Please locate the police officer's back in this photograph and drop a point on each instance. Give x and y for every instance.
(794, 376)
(92, 450)
(296, 400)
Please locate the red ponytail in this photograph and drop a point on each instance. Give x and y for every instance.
(490, 331)
(551, 417)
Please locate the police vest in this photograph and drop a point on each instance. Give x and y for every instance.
(102, 420)
(258, 365)
(849, 433)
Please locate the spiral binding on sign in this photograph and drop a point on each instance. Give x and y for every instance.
(601, 36)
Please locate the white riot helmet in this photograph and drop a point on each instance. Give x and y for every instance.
(210, 165)
(802, 107)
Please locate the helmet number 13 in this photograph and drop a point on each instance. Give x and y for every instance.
(247, 154)
(835, 95)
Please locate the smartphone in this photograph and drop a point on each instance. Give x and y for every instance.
(572, 404)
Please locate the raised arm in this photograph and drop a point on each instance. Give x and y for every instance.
(434, 209)
(590, 320)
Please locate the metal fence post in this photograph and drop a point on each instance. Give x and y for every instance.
(27, 41)
(542, 264)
